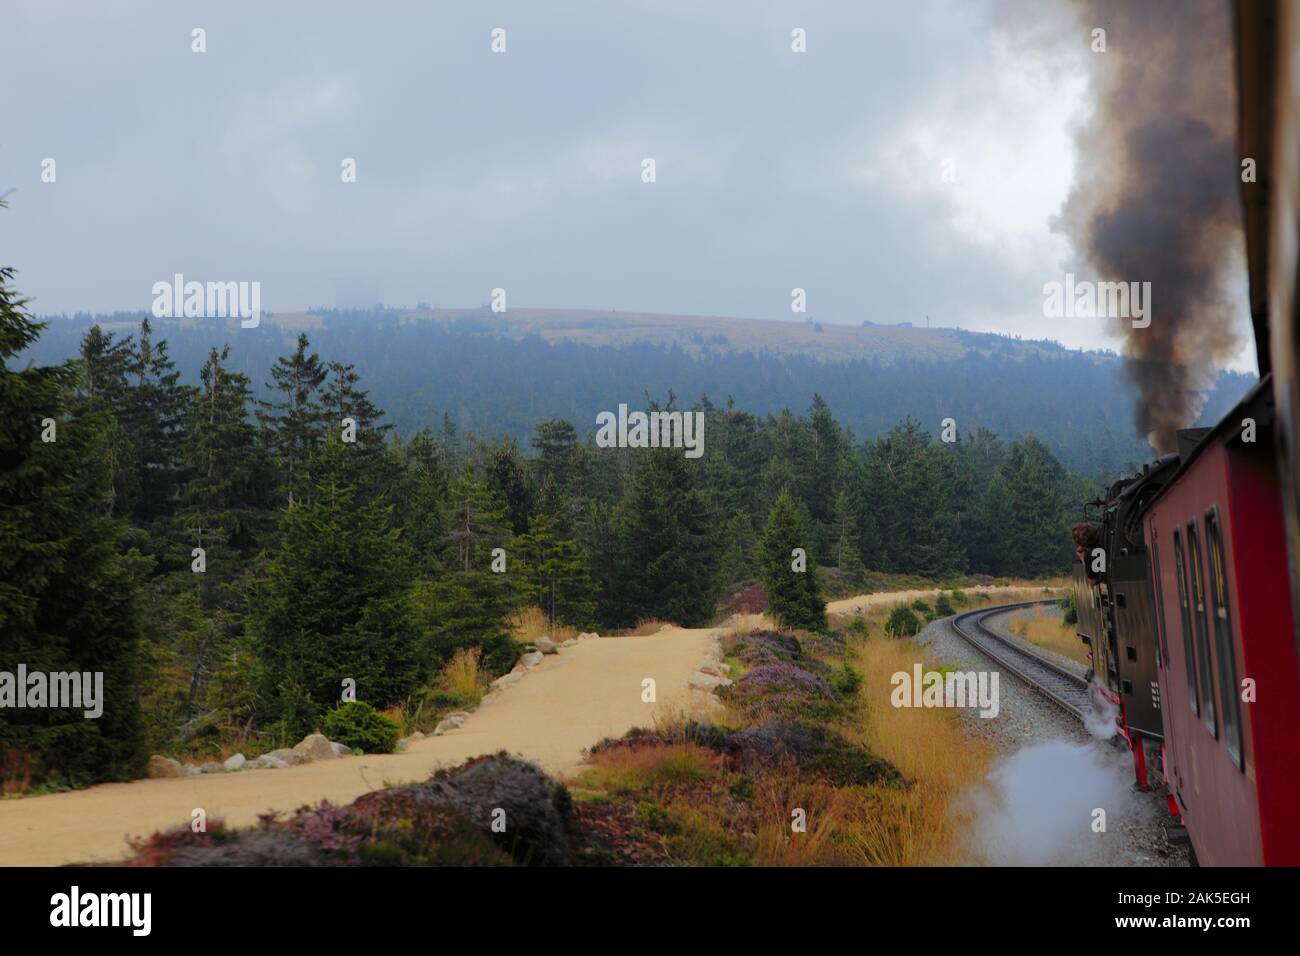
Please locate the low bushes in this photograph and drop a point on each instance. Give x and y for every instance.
(758, 648)
(902, 622)
(846, 679)
(361, 727)
(445, 821)
(530, 809)
(783, 690)
(816, 751)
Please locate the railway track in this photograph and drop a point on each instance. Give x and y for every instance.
(1058, 685)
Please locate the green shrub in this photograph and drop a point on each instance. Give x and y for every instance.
(959, 596)
(654, 817)
(921, 606)
(846, 679)
(943, 607)
(902, 622)
(1070, 609)
(500, 654)
(361, 727)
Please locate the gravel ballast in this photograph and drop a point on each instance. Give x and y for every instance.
(1052, 776)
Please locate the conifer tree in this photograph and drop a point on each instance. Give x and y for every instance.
(596, 533)
(828, 448)
(344, 401)
(555, 566)
(336, 602)
(293, 421)
(794, 597)
(1028, 511)
(668, 544)
(508, 476)
(156, 409)
(469, 601)
(844, 540)
(67, 599)
(224, 498)
(739, 558)
(102, 388)
(420, 498)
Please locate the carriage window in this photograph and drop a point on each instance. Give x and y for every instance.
(1162, 643)
(1228, 699)
(1189, 656)
(1197, 597)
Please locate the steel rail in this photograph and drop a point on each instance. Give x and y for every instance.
(1068, 691)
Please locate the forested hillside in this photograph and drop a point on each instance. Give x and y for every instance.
(498, 375)
(234, 552)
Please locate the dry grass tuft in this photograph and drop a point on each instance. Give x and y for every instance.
(1043, 626)
(462, 676)
(530, 623)
(629, 769)
(919, 825)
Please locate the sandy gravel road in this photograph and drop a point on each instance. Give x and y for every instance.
(863, 601)
(570, 701)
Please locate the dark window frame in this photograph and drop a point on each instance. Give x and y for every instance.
(1162, 643)
(1229, 702)
(1196, 574)
(1185, 616)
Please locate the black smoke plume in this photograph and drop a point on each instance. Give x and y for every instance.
(1155, 196)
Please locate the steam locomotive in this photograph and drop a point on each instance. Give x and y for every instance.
(1190, 606)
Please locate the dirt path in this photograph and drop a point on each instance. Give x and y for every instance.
(570, 701)
(863, 601)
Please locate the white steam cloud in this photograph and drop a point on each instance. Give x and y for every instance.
(1041, 802)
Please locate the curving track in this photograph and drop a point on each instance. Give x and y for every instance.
(1057, 684)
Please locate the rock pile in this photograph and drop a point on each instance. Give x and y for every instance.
(311, 748)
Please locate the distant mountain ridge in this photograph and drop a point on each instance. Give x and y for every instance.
(700, 335)
(501, 373)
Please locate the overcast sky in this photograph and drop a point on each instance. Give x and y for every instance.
(822, 170)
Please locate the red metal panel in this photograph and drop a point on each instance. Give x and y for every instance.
(1218, 807)
(1232, 821)
(1262, 615)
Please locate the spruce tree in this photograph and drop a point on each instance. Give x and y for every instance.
(293, 421)
(336, 602)
(67, 598)
(844, 540)
(224, 500)
(102, 388)
(508, 475)
(468, 602)
(1029, 513)
(199, 610)
(828, 449)
(739, 558)
(420, 498)
(668, 545)
(794, 597)
(343, 400)
(555, 567)
(596, 533)
(156, 409)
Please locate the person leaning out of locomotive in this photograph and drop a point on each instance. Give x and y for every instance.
(1086, 537)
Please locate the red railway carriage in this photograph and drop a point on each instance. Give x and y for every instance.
(1229, 677)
